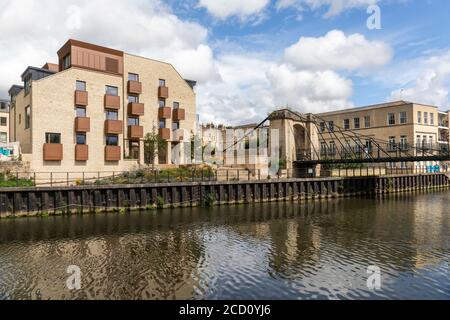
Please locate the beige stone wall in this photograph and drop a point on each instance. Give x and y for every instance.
(5, 129)
(17, 120)
(150, 71)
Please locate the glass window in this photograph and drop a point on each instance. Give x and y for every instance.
(391, 119)
(162, 103)
(81, 112)
(67, 62)
(3, 121)
(331, 126)
(81, 86)
(403, 117)
(432, 118)
(419, 116)
(367, 121)
(347, 124)
(425, 117)
(27, 117)
(356, 123)
(175, 125)
(27, 84)
(133, 99)
(112, 140)
(162, 123)
(322, 127)
(133, 77)
(81, 138)
(133, 121)
(53, 138)
(176, 105)
(112, 91)
(3, 106)
(162, 82)
(3, 137)
(112, 115)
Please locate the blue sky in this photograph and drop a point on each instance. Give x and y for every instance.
(253, 56)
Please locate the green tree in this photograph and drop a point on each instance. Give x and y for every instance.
(153, 143)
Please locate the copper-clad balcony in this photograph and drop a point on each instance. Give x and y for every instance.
(113, 127)
(163, 92)
(135, 132)
(112, 102)
(164, 133)
(165, 113)
(81, 152)
(81, 98)
(112, 153)
(136, 109)
(82, 124)
(134, 87)
(53, 152)
(179, 114)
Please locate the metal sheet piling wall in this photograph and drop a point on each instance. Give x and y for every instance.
(18, 202)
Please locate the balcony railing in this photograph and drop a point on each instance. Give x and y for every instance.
(112, 102)
(113, 127)
(81, 98)
(82, 124)
(136, 109)
(112, 153)
(163, 92)
(135, 132)
(134, 87)
(81, 152)
(53, 152)
(165, 113)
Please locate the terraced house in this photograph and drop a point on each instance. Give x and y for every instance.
(91, 111)
(4, 121)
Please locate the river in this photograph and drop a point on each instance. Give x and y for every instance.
(312, 250)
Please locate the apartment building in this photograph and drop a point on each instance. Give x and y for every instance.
(92, 110)
(399, 126)
(4, 121)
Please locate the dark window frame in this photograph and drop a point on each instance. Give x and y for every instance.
(50, 138)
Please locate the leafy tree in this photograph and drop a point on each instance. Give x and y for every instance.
(153, 143)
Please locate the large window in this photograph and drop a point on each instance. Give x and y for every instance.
(112, 140)
(425, 117)
(81, 138)
(133, 77)
(367, 121)
(356, 123)
(432, 118)
(67, 62)
(54, 138)
(81, 112)
(27, 117)
(3, 137)
(133, 121)
(391, 119)
(81, 86)
(347, 124)
(111, 115)
(403, 117)
(112, 91)
(3, 121)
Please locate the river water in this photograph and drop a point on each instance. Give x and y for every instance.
(312, 250)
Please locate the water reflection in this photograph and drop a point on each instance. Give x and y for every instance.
(313, 250)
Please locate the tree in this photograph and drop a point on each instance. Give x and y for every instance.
(153, 143)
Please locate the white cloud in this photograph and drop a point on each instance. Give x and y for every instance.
(337, 51)
(427, 83)
(223, 9)
(334, 7)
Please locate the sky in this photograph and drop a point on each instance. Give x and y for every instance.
(254, 56)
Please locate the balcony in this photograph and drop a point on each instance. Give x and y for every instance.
(53, 152)
(134, 87)
(136, 109)
(164, 133)
(163, 92)
(165, 113)
(82, 124)
(113, 127)
(112, 153)
(81, 98)
(81, 152)
(112, 102)
(179, 114)
(135, 132)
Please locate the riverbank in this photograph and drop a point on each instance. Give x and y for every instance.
(25, 202)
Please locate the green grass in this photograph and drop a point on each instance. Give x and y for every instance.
(13, 183)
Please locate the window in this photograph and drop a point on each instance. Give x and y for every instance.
(176, 105)
(81, 86)
(403, 117)
(425, 117)
(162, 82)
(133, 77)
(27, 117)
(133, 121)
(419, 116)
(112, 91)
(391, 119)
(418, 138)
(175, 125)
(112, 140)
(403, 142)
(347, 124)
(3, 122)
(391, 143)
(81, 138)
(3, 137)
(322, 127)
(356, 123)
(67, 62)
(162, 103)
(331, 126)
(112, 115)
(27, 84)
(367, 121)
(133, 99)
(3, 106)
(432, 118)
(81, 112)
(54, 138)
(162, 123)
(20, 118)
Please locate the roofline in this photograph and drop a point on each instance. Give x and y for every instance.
(90, 46)
(37, 69)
